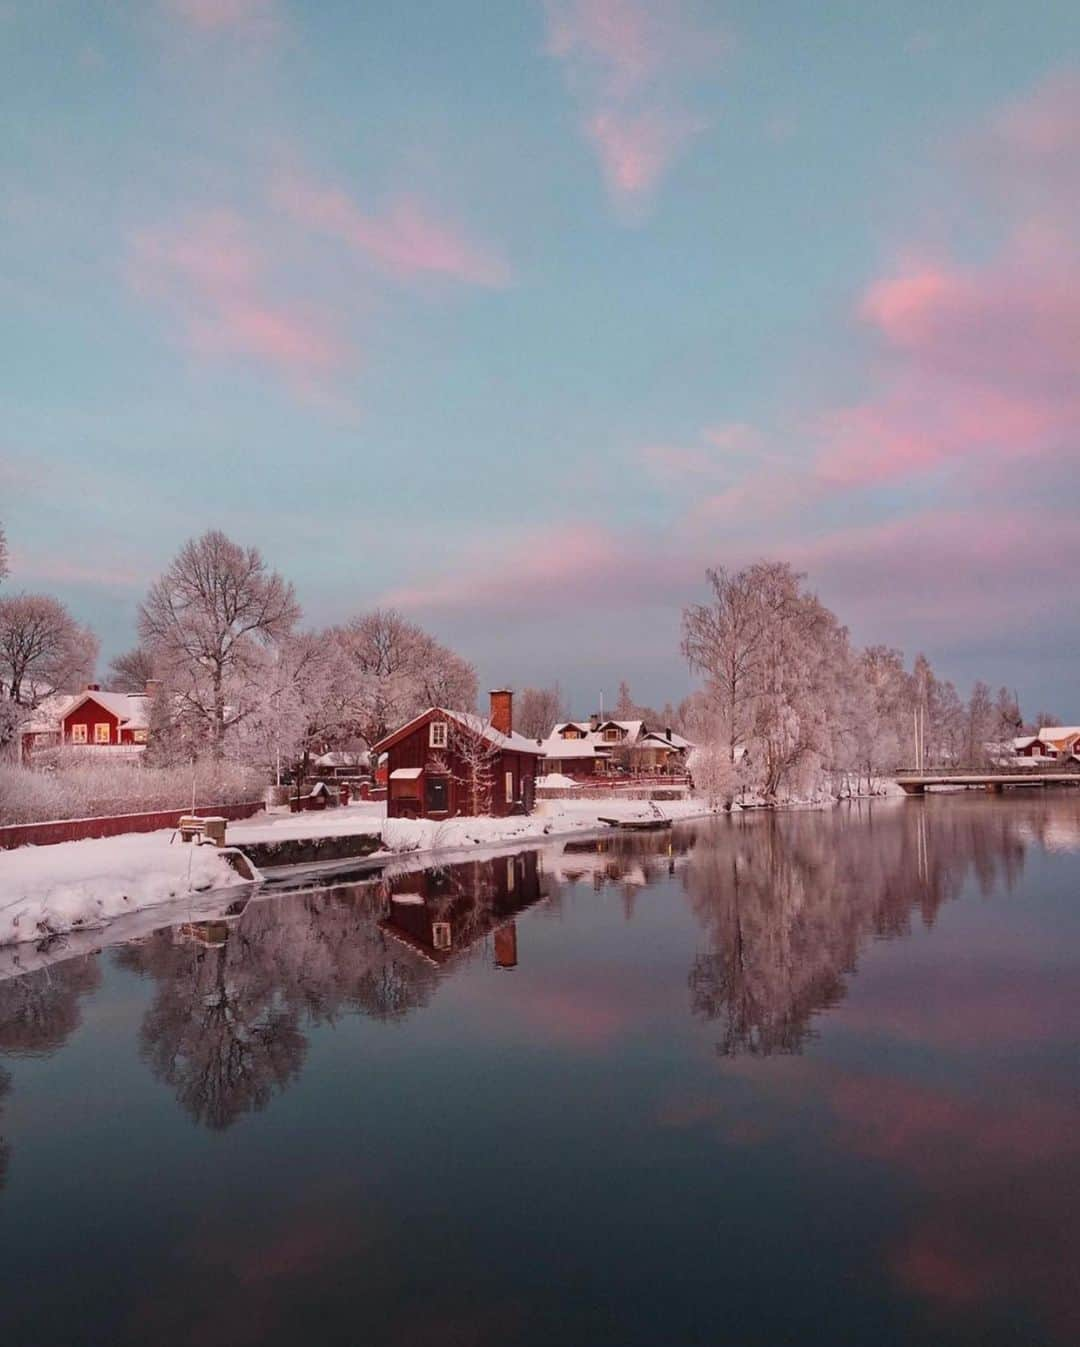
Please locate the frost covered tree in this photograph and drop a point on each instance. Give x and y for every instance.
(395, 670)
(724, 641)
(42, 648)
(131, 671)
(774, 659)
(537, 710)
(3, 554)
(715, 776)
(981, 724)
(476, 751)
(208, 622)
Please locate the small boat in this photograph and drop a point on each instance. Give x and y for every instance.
(637, 825)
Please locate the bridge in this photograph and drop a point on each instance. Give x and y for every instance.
(918, 783)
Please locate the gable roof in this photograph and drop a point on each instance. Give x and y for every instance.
(510, 743)
(130, 708)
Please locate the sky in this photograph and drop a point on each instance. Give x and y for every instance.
(518, 316)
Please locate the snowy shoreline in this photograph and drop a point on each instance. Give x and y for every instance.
(76, 886)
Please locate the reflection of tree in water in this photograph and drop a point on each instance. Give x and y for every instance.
(39, 1011)
(225, 1030)
(5, 1149)
(789, 900)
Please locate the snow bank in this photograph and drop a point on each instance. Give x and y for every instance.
(47, 891)
(556, 781)
(74, 886)
(549, 818)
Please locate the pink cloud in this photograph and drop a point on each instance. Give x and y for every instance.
(210, 276)
(544, 571)
(979, 359)
(219, 14)
(406, 240)
(629, 64)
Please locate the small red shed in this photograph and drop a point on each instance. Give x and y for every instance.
(446, 764)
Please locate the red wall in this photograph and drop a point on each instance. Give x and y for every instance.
(91, 714)
(76, 829)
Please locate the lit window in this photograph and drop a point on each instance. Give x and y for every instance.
(140, 736)
(437, 737)
(78, 734)
(103, 733)
(611, 735)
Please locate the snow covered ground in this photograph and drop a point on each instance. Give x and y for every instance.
(74, 886)
(77, 885)
(550, 818)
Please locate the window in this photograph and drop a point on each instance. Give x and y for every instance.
(140, 736)
(509, 788)
(437, 735)
(611, 736)
(440, 934)
(78, 734)
(102, 733)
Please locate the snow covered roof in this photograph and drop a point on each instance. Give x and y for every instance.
(130, 708)
(406, 773)
(1056, 734)
(1024, 741)
(340, 758)
(45, 717)
(554, 747)
(660, 739)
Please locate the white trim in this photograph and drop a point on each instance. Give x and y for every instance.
(438, 734)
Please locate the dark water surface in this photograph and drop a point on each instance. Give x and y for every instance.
(803, 1079)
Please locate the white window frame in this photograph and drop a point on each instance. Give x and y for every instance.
(79, 734)
(438, 734)
(509, 788)
(441, 937)
(140, 736)
(100, 738)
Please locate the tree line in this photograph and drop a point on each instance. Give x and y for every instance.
(790, 704)
(787, 701)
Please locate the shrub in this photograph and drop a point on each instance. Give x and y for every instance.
(84, 789)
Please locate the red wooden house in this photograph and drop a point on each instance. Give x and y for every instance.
(91, 719)
(445, 764)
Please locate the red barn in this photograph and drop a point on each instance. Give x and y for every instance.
(445, 764)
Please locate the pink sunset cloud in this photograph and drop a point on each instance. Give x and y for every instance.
(548, 570)
(979, 359)
(405, 240)
(629, 64)
(220, 14)
(211, 278)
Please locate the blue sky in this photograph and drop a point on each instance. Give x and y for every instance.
(520, 315)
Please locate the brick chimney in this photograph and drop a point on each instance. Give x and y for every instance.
(92, 687)
(502, 710)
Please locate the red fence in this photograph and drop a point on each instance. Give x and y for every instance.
(76, 829)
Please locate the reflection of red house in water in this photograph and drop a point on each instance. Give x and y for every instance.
(442, 912)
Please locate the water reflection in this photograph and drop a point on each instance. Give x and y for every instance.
(789, 904)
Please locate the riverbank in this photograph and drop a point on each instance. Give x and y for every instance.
(72, 886)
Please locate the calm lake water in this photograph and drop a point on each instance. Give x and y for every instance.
(800, 1079)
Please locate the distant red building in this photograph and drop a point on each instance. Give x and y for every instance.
(91, 719)
(445, 764)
